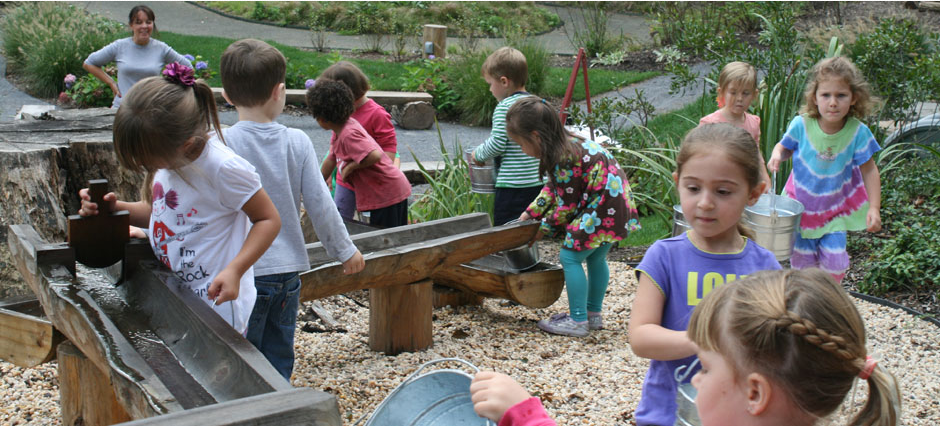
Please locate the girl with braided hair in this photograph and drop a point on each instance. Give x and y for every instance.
(785, 347)
(208, 216)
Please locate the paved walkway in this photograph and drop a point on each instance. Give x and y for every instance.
(186, 18)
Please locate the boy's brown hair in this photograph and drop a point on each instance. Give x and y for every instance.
(250, 70)
(348, 73)
(507, 62)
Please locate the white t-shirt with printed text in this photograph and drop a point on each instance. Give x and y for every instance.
(197, 225)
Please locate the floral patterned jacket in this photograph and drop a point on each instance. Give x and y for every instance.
(589, 197)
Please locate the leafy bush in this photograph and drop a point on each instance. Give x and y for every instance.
(449, 194)
(910, 258)
(297, 74)
(89, 92)
(45, 41)
(914, 74)
(431, 75)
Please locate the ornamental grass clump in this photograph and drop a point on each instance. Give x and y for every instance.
(45, 41)
(449, 193)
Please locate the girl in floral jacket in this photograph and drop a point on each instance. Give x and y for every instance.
(587, 196)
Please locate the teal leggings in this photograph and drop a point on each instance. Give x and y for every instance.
(585, 293)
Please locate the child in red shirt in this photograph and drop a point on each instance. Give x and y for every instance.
(374, 119)
(381, 189)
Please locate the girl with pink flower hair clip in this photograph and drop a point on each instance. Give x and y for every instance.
(208, 218)
(586, 196)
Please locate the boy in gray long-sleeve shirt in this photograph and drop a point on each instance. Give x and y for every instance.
(253, 74)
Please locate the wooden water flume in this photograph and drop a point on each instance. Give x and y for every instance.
(152, 348)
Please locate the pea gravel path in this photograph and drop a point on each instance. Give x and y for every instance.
(590, 381)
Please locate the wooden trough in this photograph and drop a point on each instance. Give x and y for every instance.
(141, 346)
(403, 262)
(150, 345)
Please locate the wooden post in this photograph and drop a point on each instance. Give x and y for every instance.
(437, 35)
(400, 318)
(86, 396)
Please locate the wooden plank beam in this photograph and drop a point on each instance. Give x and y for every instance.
(300, 406)
(381, 97)
(414, 262)
(382, 239)
(27, 339)
(46, 268)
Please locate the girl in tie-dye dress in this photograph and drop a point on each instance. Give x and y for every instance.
(834, 173)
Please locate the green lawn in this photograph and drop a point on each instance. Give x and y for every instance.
(387, 75)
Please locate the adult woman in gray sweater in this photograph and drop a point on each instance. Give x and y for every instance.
(138, 56)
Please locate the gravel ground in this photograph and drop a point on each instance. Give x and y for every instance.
(591, 381)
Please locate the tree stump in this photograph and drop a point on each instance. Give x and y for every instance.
(414, 115)
(86, 396)
(437, 35)
(400, 318)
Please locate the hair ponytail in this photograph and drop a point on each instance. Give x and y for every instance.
(884, 401)
(206, 101)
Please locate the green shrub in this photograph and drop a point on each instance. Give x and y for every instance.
(475, 103)
(297, 74)
(89, 92)
(45, 41)
(432, 76)
(914, 74)
(910, 258)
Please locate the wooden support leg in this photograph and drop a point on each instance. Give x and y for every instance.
(400, 318)
(445, 296)
(85, 393)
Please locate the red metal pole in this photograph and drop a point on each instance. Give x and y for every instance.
(570, 90)
(587, 90)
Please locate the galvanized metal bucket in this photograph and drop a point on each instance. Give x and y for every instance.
(436, 398)
(775, 232)
(679, 225)
(482, 178)
(686, 410)
(523, 257)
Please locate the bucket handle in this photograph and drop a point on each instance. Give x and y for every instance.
(683, 371)
(415, 374)
(438, 361)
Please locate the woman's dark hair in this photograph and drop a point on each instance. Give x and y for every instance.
(330, 100)
(147, 11)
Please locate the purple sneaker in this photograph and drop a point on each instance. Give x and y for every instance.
(595, 321)
(563, 324)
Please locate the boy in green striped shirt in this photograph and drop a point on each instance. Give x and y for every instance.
(517, 181)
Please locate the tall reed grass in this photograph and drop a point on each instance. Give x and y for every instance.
(449, 193)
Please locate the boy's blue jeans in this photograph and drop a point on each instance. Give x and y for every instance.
(274, 318)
